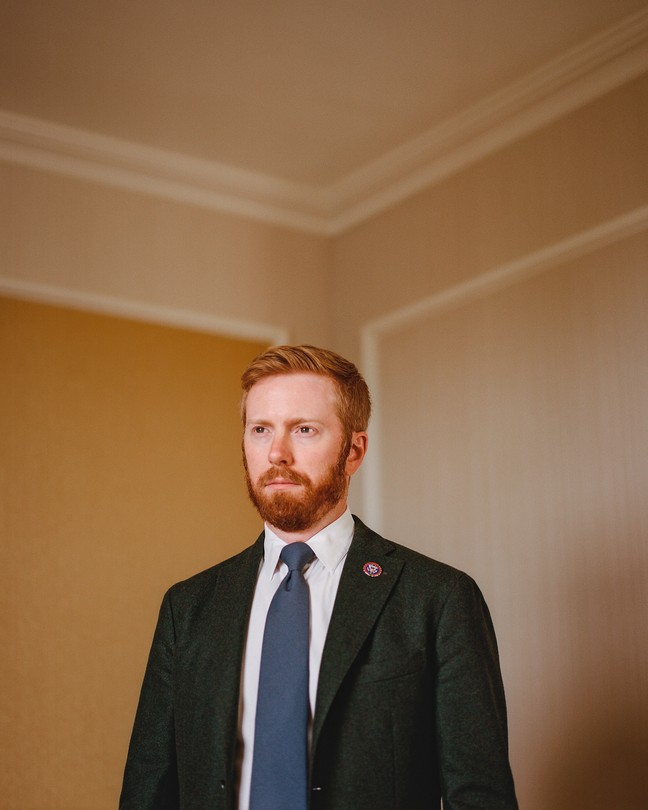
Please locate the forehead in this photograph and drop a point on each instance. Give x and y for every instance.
(297, 395)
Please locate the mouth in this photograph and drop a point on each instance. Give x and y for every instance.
(281, 483)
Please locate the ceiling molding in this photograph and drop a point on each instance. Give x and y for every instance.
(114, 162)
(578, 76)
(141, 311)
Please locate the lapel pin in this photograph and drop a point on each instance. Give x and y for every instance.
(372, 569)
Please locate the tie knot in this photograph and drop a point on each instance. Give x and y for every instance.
(296, 555)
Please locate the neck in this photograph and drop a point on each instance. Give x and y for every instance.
(311, 531)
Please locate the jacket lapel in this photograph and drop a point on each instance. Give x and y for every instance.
(358, 604)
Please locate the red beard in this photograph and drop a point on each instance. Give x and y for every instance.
(296, 512)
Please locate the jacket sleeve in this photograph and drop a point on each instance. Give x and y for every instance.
(150, 777)
(471, 724)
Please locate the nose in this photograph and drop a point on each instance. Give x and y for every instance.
(280, 451)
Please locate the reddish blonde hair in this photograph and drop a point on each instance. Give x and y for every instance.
(353, 400)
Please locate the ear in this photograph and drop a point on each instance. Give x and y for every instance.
(356, 452)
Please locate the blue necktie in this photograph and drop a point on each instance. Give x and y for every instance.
(280, 760)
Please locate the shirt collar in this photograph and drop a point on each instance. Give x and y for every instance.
(330, 544)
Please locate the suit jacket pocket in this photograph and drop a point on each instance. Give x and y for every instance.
(387, 669)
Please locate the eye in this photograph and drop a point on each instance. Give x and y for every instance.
(305, 430)
(258, 429)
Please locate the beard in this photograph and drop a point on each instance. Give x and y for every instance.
(296, 512)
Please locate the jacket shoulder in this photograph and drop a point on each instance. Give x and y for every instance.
(417, 567)
(204, 582)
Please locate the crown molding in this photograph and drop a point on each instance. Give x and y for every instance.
(578, 76)
(141, 311)
(118, 163)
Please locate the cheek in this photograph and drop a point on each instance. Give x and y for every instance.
(323, 462)
(252, 458)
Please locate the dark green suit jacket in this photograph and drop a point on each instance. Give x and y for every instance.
(410, 704)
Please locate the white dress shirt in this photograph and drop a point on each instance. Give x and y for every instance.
(323, 574)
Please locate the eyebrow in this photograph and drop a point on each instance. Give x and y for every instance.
(291, 422)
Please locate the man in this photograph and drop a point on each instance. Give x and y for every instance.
(391, 699)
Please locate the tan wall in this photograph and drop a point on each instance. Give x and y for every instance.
(120, 473)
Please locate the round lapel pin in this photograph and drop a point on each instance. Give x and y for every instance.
(372, 569)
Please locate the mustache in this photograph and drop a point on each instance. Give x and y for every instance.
(286, 475)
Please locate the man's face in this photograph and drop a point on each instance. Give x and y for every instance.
(296, 459)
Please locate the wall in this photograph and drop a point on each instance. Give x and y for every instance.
(121, 474)
(70, 235)
(526, 454)
(509, 363)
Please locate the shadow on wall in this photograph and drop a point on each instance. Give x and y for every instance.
(601, 759)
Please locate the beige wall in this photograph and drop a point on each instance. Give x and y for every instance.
(74, 235)
(519, 421)
(510, 439)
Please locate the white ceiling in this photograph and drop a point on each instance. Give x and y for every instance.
(302, 92)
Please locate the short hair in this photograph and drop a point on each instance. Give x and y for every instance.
(353, 400)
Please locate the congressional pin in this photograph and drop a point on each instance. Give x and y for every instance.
(372, 569)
